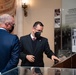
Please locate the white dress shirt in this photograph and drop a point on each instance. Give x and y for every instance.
(3, 28)
(32, 36)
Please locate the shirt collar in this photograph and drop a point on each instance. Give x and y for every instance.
(3, 28)
(32, 36)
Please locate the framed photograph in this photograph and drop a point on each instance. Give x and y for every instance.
(57, 18)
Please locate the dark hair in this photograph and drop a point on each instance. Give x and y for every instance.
(36, 23)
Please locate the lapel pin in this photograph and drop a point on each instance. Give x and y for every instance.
(39, 40)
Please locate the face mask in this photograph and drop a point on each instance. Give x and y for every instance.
(10, 31)
(37, 34)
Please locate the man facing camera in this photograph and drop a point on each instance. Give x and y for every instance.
(9, 44)
(33, 46)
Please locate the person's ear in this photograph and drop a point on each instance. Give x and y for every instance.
(33, 29)
(11, 30)
(6, 24)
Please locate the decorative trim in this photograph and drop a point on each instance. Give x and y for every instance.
(7, 7)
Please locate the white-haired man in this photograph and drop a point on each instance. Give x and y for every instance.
(9, 44)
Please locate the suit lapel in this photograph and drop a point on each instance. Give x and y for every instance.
(30, 44)
(38, 45)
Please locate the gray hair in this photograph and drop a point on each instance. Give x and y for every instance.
(5, 18)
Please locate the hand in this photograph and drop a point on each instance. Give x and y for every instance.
(30, 58)
(55, 58)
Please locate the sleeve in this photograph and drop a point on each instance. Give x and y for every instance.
(47, 49)
(22, 54)
(14, 55)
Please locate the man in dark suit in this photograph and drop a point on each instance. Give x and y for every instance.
(9, 44)
(33, 46)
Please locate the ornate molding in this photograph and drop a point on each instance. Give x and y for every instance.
(7, 6)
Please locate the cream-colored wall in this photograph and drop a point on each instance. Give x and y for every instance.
(42, 10)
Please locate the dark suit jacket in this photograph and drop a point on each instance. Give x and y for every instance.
(41, 46)
(9, 51)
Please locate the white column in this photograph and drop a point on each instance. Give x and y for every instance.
(19, 18)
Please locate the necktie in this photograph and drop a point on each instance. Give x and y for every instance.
(33, 39)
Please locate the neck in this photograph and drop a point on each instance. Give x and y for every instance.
(33, 34)
(2, 26)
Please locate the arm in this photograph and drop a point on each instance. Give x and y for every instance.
(14, 55)
(23, 55)
(49, 52)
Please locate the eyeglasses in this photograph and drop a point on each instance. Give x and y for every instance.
(38, 30)
(10, 23)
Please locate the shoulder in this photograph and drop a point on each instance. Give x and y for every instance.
(12, 37)
(44, 38)
(25, 36)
